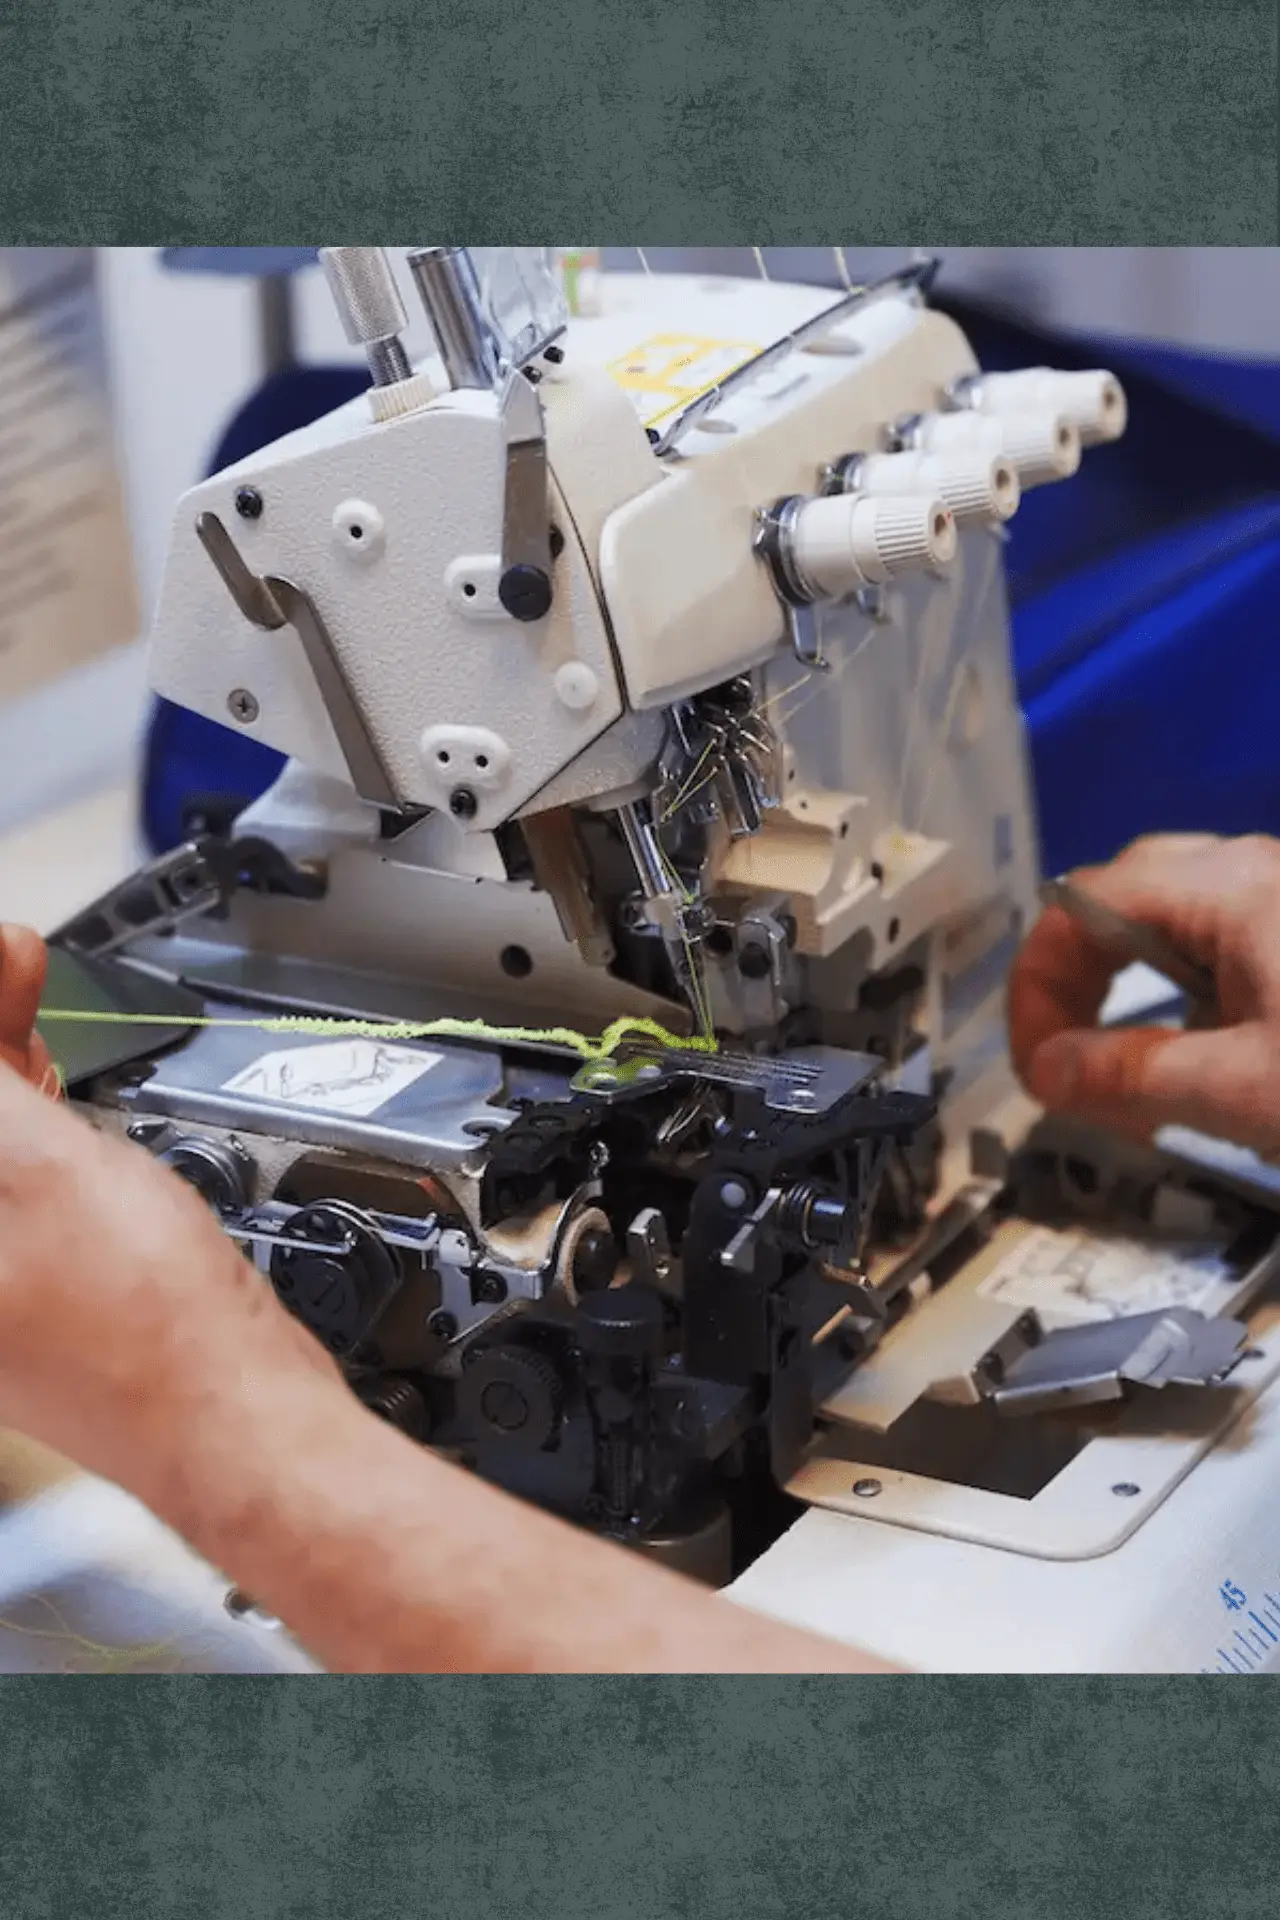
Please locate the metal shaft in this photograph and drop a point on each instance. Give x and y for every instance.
(450, 293)
(1133, 940)
(642, 844)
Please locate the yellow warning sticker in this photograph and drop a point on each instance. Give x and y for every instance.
(663, 374)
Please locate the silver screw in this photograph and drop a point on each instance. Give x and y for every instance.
(1126, 1489)
(242, 706)
(867, 1489)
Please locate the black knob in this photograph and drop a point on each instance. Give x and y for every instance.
(829, 1221)
(339, 1287)
(220, 1175)
(512, 1394)
(622, 1322)
(525, 592)
(595, 1260)
(754, 962)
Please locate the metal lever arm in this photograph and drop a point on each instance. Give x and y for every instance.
(525, 588)
(272, 603)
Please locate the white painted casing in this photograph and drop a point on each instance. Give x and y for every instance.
(393, 530)
(688, 602)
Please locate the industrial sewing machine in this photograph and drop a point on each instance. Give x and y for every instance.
(651, 671)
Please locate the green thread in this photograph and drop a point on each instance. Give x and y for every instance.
(602, 1048)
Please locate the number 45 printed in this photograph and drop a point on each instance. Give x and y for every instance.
(1232, 1596)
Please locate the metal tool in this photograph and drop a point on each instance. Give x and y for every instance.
(1134, 940)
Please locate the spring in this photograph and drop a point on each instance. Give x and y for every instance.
(397, 1401)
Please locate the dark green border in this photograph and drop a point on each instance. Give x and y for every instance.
(752, 122)
(655, 1799)
(240, 122)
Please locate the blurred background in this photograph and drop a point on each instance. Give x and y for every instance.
(1142, 591)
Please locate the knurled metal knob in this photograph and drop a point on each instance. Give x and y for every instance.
(369, 306)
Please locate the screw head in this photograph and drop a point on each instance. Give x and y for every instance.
(525, 592)
(442, 1325)
(242, 706)
(1126, 1489)
(595, 1260)
(734, 1196)
(868, 1489)
(754, 962)
(463, 804)
(249, 503)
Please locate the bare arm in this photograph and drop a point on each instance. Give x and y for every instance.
(385, 1558)
(136, 1340)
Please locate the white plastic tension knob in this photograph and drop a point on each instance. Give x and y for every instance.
(978, 485)
(1042, 446)
(843, 542)
(1093, 402)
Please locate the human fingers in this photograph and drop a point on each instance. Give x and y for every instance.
(1137, 1080)
(23, 964)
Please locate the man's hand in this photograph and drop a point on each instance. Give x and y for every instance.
(23, 961)
(1219, 902)
(98, 1246)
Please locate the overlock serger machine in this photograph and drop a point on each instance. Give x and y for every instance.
(648, 675)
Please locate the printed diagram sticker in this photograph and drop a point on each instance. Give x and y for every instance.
(337, 1076)
(1071, 1279)
(670, 370)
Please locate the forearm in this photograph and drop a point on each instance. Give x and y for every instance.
(382, 1557)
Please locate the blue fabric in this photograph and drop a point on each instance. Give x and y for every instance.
(1151, 688)
(1190, 450)
(258, 262)
(1143, 591)
(1247, 391)
(1080, 615)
